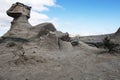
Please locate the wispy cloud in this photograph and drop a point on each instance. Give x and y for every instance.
(36, 17)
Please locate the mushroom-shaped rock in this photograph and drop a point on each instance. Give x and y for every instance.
(20, 25)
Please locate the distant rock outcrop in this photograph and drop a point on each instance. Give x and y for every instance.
(116, 37)
(118, 31)
(98, 40)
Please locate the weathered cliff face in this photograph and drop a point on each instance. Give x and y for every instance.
(20, 25)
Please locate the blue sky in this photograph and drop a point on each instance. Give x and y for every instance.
(87, 17)
(83, 17)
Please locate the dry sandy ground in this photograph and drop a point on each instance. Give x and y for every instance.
(81, 63)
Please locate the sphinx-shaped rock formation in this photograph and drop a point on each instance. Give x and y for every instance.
(20, 27)
(46, 34)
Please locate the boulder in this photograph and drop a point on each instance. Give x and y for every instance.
(65, 46)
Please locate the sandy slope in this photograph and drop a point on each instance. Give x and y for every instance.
(82, 63)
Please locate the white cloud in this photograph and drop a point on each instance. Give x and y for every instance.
(36, 18)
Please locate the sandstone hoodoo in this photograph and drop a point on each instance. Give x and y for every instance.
(20, 27)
